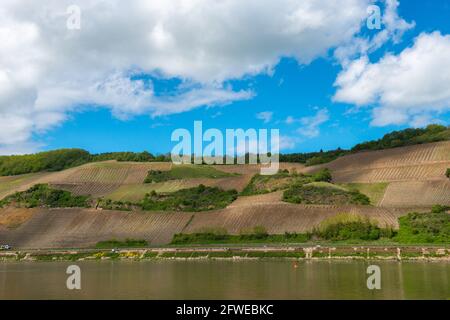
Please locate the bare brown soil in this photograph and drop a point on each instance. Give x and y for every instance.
(12, 218)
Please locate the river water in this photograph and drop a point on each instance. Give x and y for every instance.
(213, 279)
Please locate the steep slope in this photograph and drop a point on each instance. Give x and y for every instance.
(420, 162)
(416, 174)
(70, 228)
(74, 228)
(96, 179)
(413, 179)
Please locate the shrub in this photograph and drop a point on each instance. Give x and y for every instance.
(311, 194)
(205, 236)
(127, 243)
(323, 175)
(155, 176)
(351, 227)
(125, 156)
(256, 233)
(261, 184)
(439, 208)
(433, 227)
(447, 173)
(199, 198)
(185, 172)
(41, 195)
(109, 204)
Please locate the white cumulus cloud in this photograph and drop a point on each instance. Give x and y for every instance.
(265, 116)
(47, 70)
(310, 126)
(410, 87)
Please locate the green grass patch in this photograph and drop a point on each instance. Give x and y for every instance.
(199, 254)
(12, 182)
(127, 243)
(227, 254)
(150, 255)
(137, 192)
(275, 254)
(375, 191)
(183, 254)
(199, 198)
(61, 257)
(167, 255)
(111, 255)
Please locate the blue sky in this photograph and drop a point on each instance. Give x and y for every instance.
(298, 93)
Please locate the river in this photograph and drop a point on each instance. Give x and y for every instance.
(218, 279)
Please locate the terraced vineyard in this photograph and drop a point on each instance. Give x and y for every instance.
(99, 179)
(424, 193)
(46, 228)
(11, 184)
(94, 179)
(278, 217)
(397, 181)
(83, 228)
(136, 192)
(404, 156)
(388, 174)
(415, 175)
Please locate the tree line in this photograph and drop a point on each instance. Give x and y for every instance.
(402, 138)
(57, 160)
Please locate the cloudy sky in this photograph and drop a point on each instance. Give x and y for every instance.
(127, 73)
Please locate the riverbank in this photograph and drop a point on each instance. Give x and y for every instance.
(424, 253)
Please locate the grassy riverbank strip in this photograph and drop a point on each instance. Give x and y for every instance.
(426, 253)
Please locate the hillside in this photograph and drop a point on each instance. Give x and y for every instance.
(53, 228)
(57, 160)
(415, 175)
(396, 139)
(397, 181)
